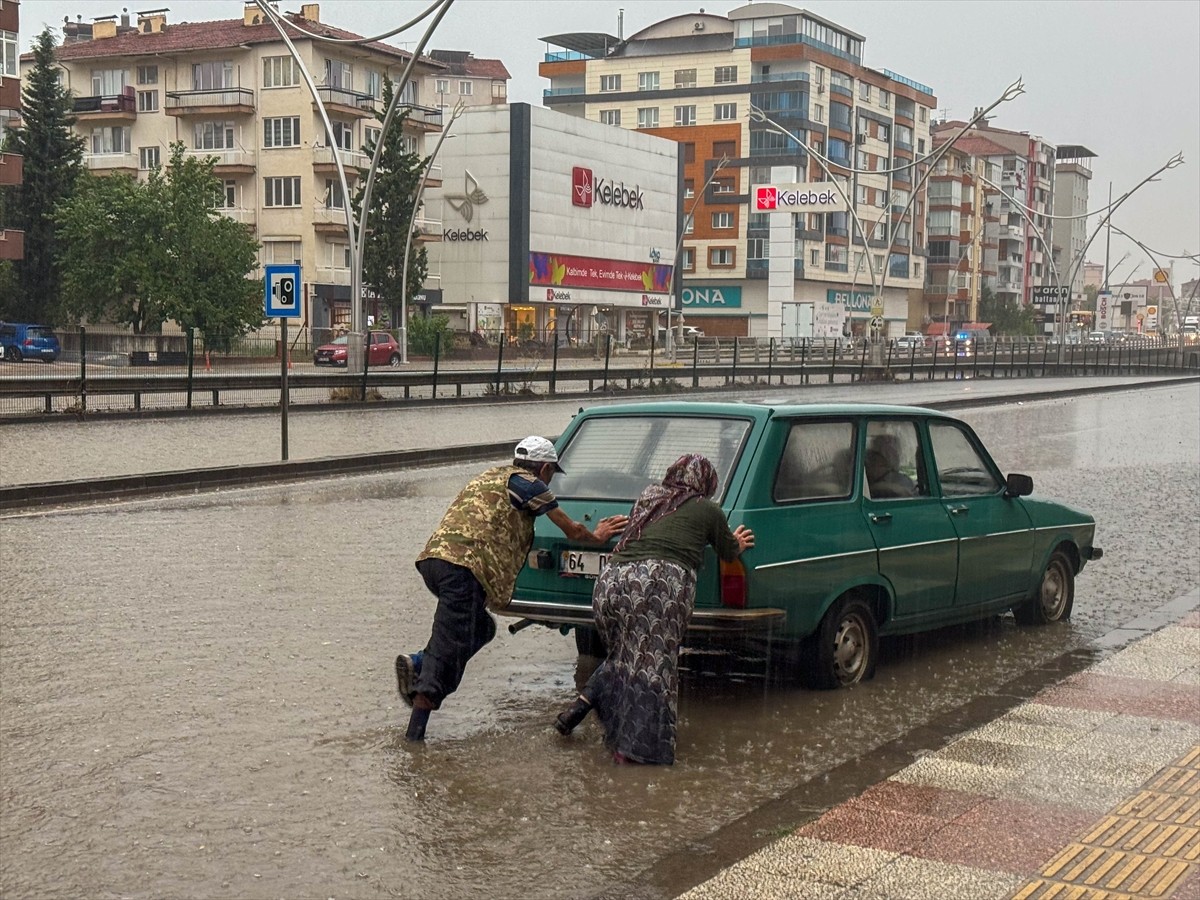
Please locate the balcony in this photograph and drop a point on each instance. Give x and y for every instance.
(329, 219)
(332, 275)
(111, 163)
(352, 160)
(842, 90)
(229, 161)
(107, 107)
(778, 76)
(223, 101)
(433, 176)
(563, 92)
(12, 168)
(12, 244)
(423, 118)
(346, 102)
(836, 266)
(428, 230)
(757, 268)
(239, 214)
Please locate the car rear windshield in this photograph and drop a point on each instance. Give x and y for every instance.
(42, 333)
(615, 458)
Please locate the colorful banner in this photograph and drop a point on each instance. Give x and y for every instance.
(560, 270)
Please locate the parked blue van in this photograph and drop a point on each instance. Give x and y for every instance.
(18, 342)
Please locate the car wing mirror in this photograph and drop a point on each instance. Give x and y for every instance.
(1018, 485)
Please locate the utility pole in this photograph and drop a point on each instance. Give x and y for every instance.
(1107, 240)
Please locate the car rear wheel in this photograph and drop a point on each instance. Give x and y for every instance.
(845, 647)
(14, 354)
(1054, 597)
(394, 360)
(589, 643)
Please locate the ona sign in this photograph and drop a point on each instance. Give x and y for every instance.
(724, 297)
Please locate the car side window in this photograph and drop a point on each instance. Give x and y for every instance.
(961, 471)
(892, 465)
(817, 462)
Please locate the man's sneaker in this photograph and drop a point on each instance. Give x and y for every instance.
(407, 670)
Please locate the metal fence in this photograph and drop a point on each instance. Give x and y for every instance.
(111, 372)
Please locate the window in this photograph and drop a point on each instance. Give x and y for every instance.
(338, 74)
(725, 185)
(610, 117)
(229, 194)
(370, 136)
(647, 81)
(442, 86)
(839, 150)
(892, 465)
(817, 463)
(9, 45)
(720, 256)
(280, 71)
(374, 83)
(881, 199)
(922, 112)
(722, 220)
(147, 101)
(818, 112)
(610, 82)
(148, 158)
(814, 257)
(916, 266)
(961, 470)
(689, 153)
(904, 136)
(839, 116)
(757, 248)
(213, 136)
(648, 117)
(147, 74)
(921, 146)
(726, 149)
(689, 189)
(281, 252)
(688, 259)
(107, 82)
(725, 75)
(883, 132)
(860, 194)
(814, 221)
(725, 112)
(885, 99)
(685, 115)
(836, 257)
(334, 198)
(864, 91)
(281, 191)
(343, 135)
(685, 78)
(212, 76)
(114, 139)
(464, 88)
(689, 224)
(499, 90)
(284, 132)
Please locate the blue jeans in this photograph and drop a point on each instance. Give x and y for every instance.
(462, 626)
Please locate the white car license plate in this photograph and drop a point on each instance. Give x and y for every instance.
(587, 563)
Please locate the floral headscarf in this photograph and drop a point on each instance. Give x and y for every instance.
(692, 475)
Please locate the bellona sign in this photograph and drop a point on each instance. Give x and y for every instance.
(818, 197)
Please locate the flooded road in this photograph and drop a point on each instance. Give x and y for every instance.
(197, 697)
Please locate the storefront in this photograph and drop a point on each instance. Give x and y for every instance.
(566, 226)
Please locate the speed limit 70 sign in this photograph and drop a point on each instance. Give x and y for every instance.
(282, 290)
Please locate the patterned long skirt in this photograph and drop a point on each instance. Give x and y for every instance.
(642, 610)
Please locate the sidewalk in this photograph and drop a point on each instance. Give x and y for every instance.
(1090, 790)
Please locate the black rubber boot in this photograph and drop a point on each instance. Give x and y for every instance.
(570, 718)
(416, 724)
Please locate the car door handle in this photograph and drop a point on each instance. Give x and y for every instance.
(958, 510)
(880, 518)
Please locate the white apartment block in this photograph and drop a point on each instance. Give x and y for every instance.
(230, 89)
(693, 78)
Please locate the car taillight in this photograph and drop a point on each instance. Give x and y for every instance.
(733, 584)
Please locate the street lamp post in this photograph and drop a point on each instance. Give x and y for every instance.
(676, 272)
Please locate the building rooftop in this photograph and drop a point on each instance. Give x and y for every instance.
(1074, 151)
(465, 63)
(593, 44)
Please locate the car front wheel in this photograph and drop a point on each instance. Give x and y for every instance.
(14, 354)
(394, 360)
(1054, 597)
(845, 647)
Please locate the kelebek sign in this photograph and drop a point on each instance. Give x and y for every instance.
(586, 188)
(816, 197)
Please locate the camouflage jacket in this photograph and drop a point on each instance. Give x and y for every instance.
(482, 531)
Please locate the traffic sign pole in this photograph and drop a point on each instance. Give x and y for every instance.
(281, 290)
(283, 387)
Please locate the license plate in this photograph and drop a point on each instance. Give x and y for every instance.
(582, 563)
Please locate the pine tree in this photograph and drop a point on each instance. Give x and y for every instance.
(392, 196)
(53, 160)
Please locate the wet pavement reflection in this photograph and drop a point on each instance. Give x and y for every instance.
(198, 699)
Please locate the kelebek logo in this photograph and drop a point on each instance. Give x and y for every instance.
(581, 186)
(766, 198)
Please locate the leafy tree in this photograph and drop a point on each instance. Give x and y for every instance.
(427, 332)
(1089, 293)
(1005, 316)
(53, 162)
(392, 198)
(141, 254)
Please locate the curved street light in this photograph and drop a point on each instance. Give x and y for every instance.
(676, 273)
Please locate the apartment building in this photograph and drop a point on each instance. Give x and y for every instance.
(230, 89)
(963, 227)
(1072, 176)
(1026, 176)
(466, 79)
(12, 241)
(694, 78)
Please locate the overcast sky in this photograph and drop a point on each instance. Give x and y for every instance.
(1122, 78)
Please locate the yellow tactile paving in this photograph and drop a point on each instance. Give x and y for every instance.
(1143, 848)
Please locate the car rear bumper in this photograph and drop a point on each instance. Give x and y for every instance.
(704, 619)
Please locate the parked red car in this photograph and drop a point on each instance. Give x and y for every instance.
(384, 351)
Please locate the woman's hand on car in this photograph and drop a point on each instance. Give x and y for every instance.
(745, 538)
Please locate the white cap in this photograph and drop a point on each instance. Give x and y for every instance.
(537, 449)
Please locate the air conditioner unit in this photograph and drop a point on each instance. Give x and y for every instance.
(820, 88)
(860, 139)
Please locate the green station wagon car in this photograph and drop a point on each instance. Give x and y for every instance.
(869, 520)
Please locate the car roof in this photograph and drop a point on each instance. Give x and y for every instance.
(760, 410)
